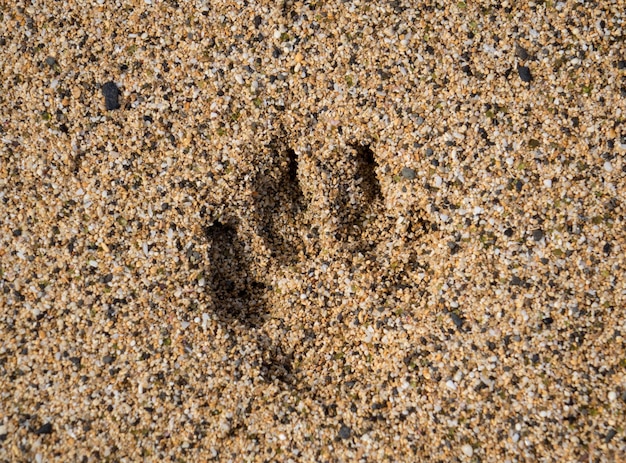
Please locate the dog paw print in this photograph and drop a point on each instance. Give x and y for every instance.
(301, 205)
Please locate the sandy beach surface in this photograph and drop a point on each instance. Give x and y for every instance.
(319, 231)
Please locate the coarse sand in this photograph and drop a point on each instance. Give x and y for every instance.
(356, 231)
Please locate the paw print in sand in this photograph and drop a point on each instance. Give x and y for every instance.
(301, 204)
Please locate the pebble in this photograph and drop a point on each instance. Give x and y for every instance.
(521, 52)
(111, 93)
(524, 73)
(344, 432)
(408, 173)
(44, 429)
(467, 450)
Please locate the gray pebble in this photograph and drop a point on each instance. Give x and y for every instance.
(408, 173)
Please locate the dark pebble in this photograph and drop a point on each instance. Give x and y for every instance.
(107, 359)
(429, 152)
(538, 234)
(548, 321)
(45, 429)
(621, 64)
(454, 247)
(516, 281)
(344, 432)
(521, 52)
(457, 320)
(50, 61)
(257, 21)
(607, 248)
(524, 73)
(408, 173)
(508, 232)
(111, 96)
(610, 435)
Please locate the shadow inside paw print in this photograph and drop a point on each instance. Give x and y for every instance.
(238, 297)
(359, 195)
(278, 202)
(237, 294)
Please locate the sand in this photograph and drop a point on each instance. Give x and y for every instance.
(295, 231)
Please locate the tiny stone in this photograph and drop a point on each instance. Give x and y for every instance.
(451, 385)
(524, 73)
(107, 359)
(408, 173)
(467, 450)
(610, 435)
(45, 429)
(50, 61)
(521, 52)
(612, 396)
(458, 321)
(111, 96)
(344, 432)
(538, 234)
(608, 167)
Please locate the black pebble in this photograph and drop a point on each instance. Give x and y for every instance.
(458, 321)
(45, 429)
(538, 234)
(521, 52)
(344, 432)
(257, 21)
(610, 435)
(524, 73)
(50, 61)
(516, 281)
(111, 96)
(107, 359)
(621, 64)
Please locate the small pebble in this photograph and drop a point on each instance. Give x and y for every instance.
(458, 321)
(538, 234)
(111, 96)
(51, 61)
(524, 73)
(408, 173)
(467, 450)
(344, 432)
(44, 429)
(521, 52)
